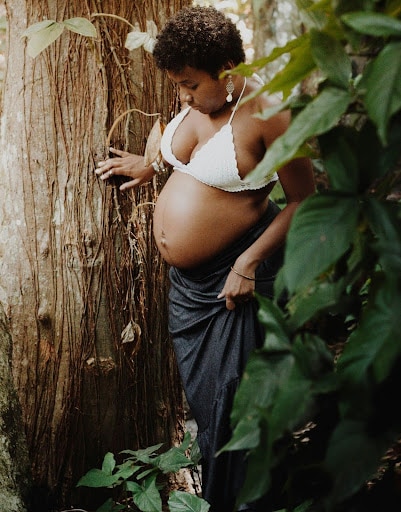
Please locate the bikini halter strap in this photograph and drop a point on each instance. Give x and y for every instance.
(238, 100)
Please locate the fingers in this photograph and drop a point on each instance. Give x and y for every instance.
(130, 184)
(232, 301)
(118, 152)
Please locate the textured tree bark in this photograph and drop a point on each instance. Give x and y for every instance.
(78, 266)
(14, 464)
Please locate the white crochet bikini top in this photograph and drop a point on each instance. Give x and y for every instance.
(215, 163)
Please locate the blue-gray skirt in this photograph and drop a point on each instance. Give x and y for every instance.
(212, 345)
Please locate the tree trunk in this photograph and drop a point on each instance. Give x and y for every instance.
(275, 23)
(78, 263)
(14, 465)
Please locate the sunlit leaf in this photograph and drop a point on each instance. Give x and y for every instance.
(81, 26)
(37, 27)
(136, 38)
(40, 39)
(381, 86)
(373, 23)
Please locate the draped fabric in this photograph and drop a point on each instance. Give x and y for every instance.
(212, 345)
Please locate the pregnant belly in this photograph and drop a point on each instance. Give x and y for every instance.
(193, 222)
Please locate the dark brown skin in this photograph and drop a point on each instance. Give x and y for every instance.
(193, 221)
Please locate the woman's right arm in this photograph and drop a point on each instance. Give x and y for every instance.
(125, 164)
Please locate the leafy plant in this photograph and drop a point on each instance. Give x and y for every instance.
(140, 476)
(42, 34)
(332, 358)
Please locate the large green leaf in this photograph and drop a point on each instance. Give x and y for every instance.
(340, 159)
(314, 299)
(381, 87)
(317, 117)
(373, 23)
(322, 230)
(245, 435)
(373, 348)
(258, 475)
(385, 220)
(263, 376)
(352, 458)
(331, 58)
(180, 501)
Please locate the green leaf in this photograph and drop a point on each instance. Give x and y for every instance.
(173, 460)
(263, 376)
(317, 117)
(276, 333)
(258, 475)
(352, 458)
(300, 66)
(245, 435)
(37, 27)
(180, 501)
(331, 58)
(109, 463)
(340, 159)
(97, 478)
(126, 470)
(373, 23)
(248, 69)
(146, 497)
(372, 348)
(81, 26)
(110, 506)
(40, 39)
(145, 454)
(321, 231)
(314, 299)
(381, 87)
(385, 220)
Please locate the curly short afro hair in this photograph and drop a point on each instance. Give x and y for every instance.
(199, 37)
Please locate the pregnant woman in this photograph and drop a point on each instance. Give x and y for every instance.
(221, 235)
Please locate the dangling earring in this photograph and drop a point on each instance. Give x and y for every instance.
(229, 89)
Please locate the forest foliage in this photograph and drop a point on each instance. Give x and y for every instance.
(314, 410)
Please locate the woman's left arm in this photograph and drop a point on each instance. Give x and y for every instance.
(297, 181)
